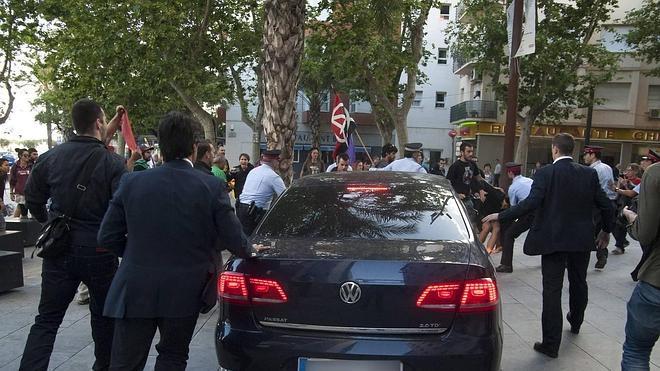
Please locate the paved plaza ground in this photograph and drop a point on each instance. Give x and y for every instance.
(597, 347)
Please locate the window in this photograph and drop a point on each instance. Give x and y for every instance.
(613, 41)
(442, 56)
(444, 11)
(417, 102)
(325, 105)
(654, 97)
(397, 211)
(440, 99)
(613, 96)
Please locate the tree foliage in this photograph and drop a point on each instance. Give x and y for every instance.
(18, 25)
(645, 35)
(151, 56)
(375, 44)
(555, 80)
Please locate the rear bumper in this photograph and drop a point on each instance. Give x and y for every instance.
(271, 349)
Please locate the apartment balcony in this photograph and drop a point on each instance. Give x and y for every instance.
(462, 66)
(477, 110)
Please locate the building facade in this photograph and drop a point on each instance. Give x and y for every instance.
(626, 124)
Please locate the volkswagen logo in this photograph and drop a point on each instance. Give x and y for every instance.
(350, 292)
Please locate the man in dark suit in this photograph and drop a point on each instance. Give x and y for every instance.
(563, 197)
(167, 240)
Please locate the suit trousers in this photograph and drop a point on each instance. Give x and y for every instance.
(552, 268)
(60, 278)
(133, 337)
(509, 235)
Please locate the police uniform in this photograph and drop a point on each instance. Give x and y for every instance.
(518, 191)
(407, 164)
(262, 185)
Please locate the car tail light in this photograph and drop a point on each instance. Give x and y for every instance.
(478, 295)
(232, 287)
(266, 291)
(237, 288)
(367, 188)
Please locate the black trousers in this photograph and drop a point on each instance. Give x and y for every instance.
(509, 235)
(552, 268)
(496, 180)
(60, 278)
(133, 337)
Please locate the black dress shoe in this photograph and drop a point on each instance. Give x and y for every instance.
(574, 329)
(504, 268)
(541, 348)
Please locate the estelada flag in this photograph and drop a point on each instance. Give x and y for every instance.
(127, 132)
(338, 120)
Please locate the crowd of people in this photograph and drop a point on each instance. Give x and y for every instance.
(170, 250)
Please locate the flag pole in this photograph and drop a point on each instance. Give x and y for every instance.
(363, 146)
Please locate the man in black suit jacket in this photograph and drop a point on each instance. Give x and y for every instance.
(167, 239)
(563, 197)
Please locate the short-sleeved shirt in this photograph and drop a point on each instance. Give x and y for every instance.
(462, 175)
(261, 185)
(405, 164)
(605, 177)
(519, 189)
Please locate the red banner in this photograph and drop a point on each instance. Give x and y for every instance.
(127, 132)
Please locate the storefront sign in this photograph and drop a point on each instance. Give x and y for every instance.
(616, 134)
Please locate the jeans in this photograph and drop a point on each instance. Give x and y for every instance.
(60, 278)
(642, 327)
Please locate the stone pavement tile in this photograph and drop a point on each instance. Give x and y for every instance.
(519, 355)
(602, 348)
(518, 312)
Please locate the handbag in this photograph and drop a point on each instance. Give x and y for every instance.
(54, 238)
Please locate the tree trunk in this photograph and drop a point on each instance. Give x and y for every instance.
(401, 126)
(49, 135)
(204, 118)
(283, 40)
(314, 123)
(523, 142)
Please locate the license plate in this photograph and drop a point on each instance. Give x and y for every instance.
(316, 364)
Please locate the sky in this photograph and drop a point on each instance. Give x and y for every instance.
(22, 124)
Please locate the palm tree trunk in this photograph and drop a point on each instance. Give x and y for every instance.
(283, 40)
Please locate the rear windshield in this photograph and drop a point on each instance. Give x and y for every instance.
(403, 212)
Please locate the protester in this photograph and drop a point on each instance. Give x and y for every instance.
(55, 176)
(170, 261)
(143, 163)
(262, 185)
(643, 322)
(388, 152)
(488, 174)
(34, 155)
(239, 174)
(592, 157)
(518, 192)
(313, 164)
(563, 196)
(410, 162)
(440, 168)
(18, 177)
(490, 200)
(464, 177)
(496, 173)
(622, 188)
(204, 157)
(4, 170)
(342, 163)
(359, 165)
(217, 168)
(340, 148)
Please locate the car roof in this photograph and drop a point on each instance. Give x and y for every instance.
(391, 178)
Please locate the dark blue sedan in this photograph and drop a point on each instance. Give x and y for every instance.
(366, 271)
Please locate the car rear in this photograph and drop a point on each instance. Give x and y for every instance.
(363, 273)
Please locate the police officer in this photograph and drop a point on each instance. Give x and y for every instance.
(408, 162)
(518, 191)
(591, 156)
(261, 185)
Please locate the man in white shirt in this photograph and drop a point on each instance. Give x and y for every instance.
(496, 173)
(409, 162)
(262, 185)
(592, 155)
